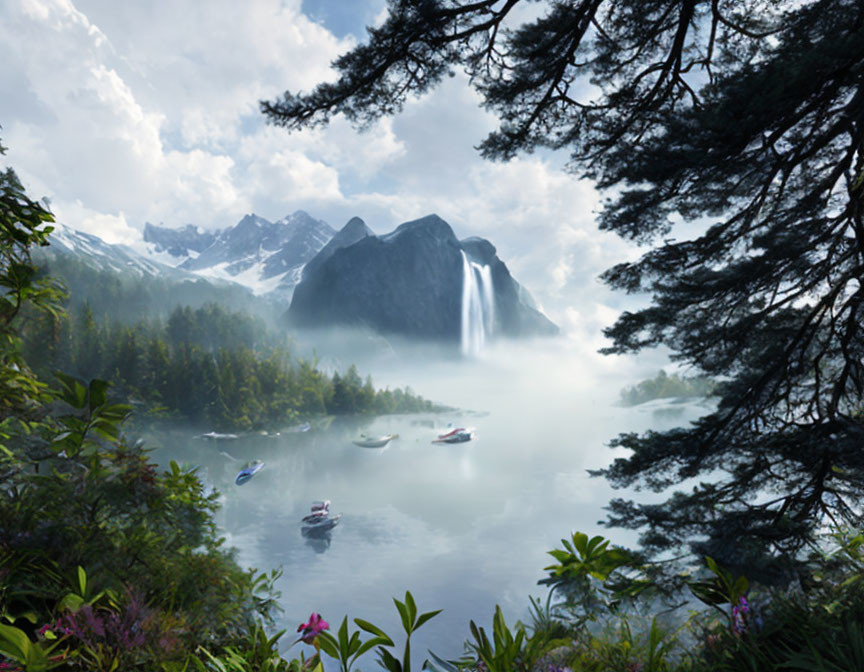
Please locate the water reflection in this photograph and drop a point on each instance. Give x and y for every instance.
(318, 540)
(463, 526)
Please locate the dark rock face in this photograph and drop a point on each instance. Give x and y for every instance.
(353, 231)
(408, 282)
(516, 313)
(178, 242)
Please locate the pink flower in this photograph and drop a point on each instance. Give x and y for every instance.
(313, 628)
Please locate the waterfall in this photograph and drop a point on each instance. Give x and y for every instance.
(478, 305)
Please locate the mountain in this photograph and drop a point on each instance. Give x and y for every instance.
(418, 281)
(118, 282)
(103, 256)
(189, 241)
(265, 256)
(349, 234)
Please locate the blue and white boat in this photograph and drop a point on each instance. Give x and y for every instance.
(248, 472)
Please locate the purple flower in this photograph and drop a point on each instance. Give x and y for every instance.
(313, 628)
(739, 618)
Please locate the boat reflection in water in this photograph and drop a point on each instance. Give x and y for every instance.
(318, 540)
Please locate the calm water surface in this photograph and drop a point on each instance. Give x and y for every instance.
(465, 526)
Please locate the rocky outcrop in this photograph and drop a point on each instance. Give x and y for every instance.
(178, 242)
(408, 282)
(278, 246)
(352, 232)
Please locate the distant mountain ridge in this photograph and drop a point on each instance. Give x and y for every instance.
(267, 257)
(418, 280)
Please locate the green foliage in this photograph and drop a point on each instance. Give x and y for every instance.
(506, 651)
(209, 366)
(663, 386)
(259, 652)
(347, 649)
(34, 656)
(130, 297)
(593, 577)
(722, 588)
(122, 565)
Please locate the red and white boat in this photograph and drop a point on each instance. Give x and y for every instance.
(456, 435)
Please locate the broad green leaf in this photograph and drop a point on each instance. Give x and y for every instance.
(412, 608)
(329, 645)
(403, 614)
(98, 393)
(82, 581)
(366, 626)
(424, 618)
(14, 643)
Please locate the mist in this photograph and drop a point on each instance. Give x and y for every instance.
(463, 527)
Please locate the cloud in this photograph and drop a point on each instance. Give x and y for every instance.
(148, 112)
(142, 114)
(111, 228)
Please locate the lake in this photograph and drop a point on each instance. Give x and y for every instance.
(463, 527)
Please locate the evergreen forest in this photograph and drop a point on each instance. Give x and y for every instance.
(208, 366)
(743, 119)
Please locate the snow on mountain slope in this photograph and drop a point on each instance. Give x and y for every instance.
(267, 257)
(102, 255)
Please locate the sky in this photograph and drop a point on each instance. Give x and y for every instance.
(134, 111)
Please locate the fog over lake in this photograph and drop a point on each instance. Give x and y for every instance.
(463, 526)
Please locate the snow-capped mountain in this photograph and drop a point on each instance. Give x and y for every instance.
(268, 257)
(178, 243)
(105, 256)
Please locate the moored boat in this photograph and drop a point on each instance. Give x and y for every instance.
(374, 441)
(216, 436)
(248, 472)
(319, 521)
(316, 524)
(458, 435)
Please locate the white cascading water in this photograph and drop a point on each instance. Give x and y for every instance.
(478, 305)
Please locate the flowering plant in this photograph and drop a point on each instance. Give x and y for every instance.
(312, 629)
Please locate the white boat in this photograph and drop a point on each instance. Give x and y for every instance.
(374, 441)
(319, 521)
(320, 511)
(320, 505)
(216, 436)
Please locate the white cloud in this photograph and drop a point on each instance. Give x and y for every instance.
(112, 228)
(144, 122)
(148, 111)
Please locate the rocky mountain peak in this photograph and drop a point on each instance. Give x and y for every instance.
(353, 231)
(412, 282)
(178, 242)
(430, 226)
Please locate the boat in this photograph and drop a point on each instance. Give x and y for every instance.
(319, 524)
(320, 527)
(374, 441)
(320, 511)
(319, 520)
(297, 429)
(216, 436)
(458, 435)
(248, 472)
